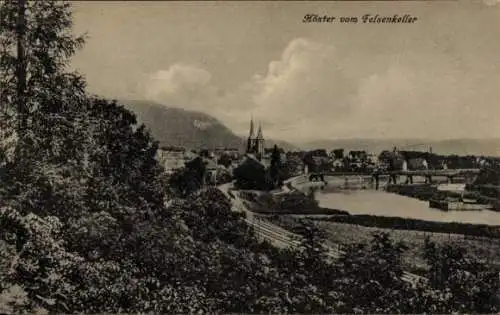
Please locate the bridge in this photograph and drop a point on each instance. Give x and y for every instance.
(423, 173)
(444, 173)
(393, 175)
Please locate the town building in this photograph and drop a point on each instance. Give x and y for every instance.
(234, 153)
(171, 158)
(338, 164)
(211, 169)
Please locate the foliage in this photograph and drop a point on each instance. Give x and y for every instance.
(275, 167)
(370, 277)
(252, 175)
(487, 182)
(225, 160)
(338, 154)
(317, 161)
(49, 43)
(470, 285)
(189, 179)
(293, 166)
(291, 203)
(223, 176)
(37, 265)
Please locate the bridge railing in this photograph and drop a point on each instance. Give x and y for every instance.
(447, 172)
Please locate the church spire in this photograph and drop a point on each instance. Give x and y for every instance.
(259, 133)
(251, 129)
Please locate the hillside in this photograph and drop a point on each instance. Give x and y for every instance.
(487, 147)
(194, 130)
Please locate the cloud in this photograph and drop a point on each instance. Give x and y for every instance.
(491, 3)
(303, 90)
(182, 85)
(302, 86)
(297, 89)
(312, 92)
(430, 98)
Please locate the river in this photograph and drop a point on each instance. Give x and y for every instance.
(391, 205)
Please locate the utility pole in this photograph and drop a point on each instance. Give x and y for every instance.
(21, 72)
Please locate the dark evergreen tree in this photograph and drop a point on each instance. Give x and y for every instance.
(275, 166)
(252, 175)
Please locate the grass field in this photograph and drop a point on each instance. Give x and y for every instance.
(341, 233)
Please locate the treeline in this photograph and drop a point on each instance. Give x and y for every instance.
(487, 181)
(397, 223)
(290, 203)
(436, 161)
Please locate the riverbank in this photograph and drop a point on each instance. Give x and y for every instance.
(302, 204)
(385, 210)
(371, 209)
(398, 223)
(481, 240)
(343, 233)
(426, 192)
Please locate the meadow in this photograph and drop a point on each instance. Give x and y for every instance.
(339, 234)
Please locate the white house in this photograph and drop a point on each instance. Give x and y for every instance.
(404, 167)
(211, 172)
(338, 163)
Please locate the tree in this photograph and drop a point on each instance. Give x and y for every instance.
(370, 277)
(44, 45)
(225, 160)
(87, 166)
(338, 154)
(38, 99)
(471, 286)
(311, 273)
(311, 246)
(293, 166)
(189, 179)
(252, 175)
(223, 176)
(275, 166)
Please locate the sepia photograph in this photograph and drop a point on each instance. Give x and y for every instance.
(249, 157)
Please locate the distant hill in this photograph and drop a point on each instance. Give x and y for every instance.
(487, 147)
(190, 129)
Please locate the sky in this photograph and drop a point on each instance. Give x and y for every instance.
(436, 78)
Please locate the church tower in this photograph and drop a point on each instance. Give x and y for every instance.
(251, 139)
(259, 143)
(255, 144)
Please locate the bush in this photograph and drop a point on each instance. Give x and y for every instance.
(290, 203)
